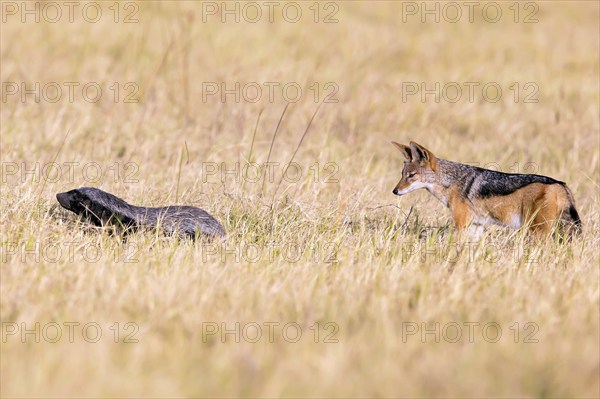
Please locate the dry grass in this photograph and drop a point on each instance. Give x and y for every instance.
(381, 263)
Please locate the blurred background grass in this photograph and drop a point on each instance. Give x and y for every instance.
(170, 135)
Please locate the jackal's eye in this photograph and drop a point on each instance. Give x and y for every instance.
(412, 174)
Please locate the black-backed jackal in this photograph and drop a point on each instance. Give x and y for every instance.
(478, 197)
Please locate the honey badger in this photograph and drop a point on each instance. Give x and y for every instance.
(102, 208)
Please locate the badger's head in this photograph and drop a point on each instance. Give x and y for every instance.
(74, 200)
(79, 202)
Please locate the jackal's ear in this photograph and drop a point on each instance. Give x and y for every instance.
(421, 153)
(404, 149)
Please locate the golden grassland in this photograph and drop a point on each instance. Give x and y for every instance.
(374, 266)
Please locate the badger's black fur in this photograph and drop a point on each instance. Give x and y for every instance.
(103, 208)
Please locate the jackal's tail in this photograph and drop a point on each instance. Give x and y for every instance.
(570, 217)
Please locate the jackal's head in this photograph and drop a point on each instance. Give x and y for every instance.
(419, 168)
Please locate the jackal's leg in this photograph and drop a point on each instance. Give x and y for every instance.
(547, 213)
(475, 231)
(461, 212)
